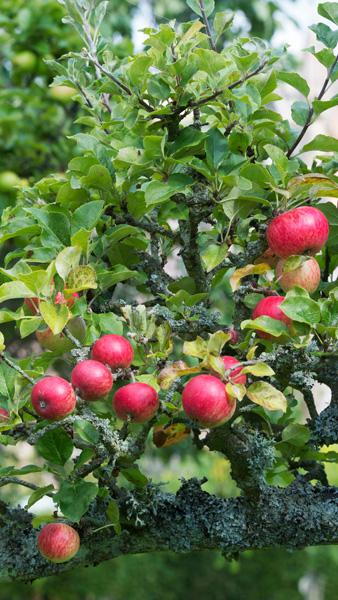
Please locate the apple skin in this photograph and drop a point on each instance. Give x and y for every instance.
(113, 350)
(306, 276)
(60, 343)
(138, 401)
(302, 230)
(206, 401)
(58, 542)
(63, 93)
(53, 398)
(4, 415)
(8, 181)
(269, 307)
(235, 375)
(25, 61)
(92, 378)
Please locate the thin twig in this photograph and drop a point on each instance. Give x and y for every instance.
(73, 339)
(311, 110)
(16, 367)
(207, 25)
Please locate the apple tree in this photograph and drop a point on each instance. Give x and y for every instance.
(180, 281)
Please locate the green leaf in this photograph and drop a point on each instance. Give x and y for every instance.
(86, 431)
(113, 515)
(56, 316)
(216, 148)
(107, 279)
(260, 369)
(296, 434)
(74, 498)
(300, 112)
(195, 6)
(266, 324)
(197, 348)
(13, 290)
(29, 325)
(87, 215)
(295, 80)
(159, 191)
(322, 105)
(216, 342)
(325, 35)
(279, 159)
(38, 494)
(98, 178)
(213, 255)
(66, 260)
(81, 278)
(134, 476)
(55, 446)
(222, 21)
(329, 10)
(2, 342)
(301, 309)
(324, 143)
(266, 395)
(293, 262)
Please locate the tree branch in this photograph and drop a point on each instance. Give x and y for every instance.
(207, 25)
(297, 516)
(311, 110)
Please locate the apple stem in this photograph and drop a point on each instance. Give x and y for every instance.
(16, 367)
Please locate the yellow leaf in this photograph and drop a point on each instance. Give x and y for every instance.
(81, 278)
(260, 369)
(197, 348)
(195, 28)
(168, 435)
(236, 277)
(171, 372)
(266, 395)
(236, 390)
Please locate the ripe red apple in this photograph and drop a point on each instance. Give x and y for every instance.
(53, 398)
(113, 350)
(206, 401)
(4, 415)
(92, 378)
(138, 401)
(307, 275)
(269, 307)
(60, 343)
(302, 230)
(235, 375)
(58, 542)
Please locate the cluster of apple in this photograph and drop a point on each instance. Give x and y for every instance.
(300, 231)
(55, 398)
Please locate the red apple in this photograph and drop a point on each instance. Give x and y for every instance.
(113, 350)
(92, 378)
(58, 542)
(235, 375)
(206, 401)
(53, 398)
(4, 415)
(138, 401)
(302, 230)
(59, 342)
(269, 307)
(307, 275)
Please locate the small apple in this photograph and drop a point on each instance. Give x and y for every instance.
(53, 398)
(58, 542)
(63, 93)
(25, 61)
(113, 350)
(302, 230)
(235, 375)
(270, 307)
(206, 401)
(307, 275)
(138, 401)
(9, 181)
(92, 378)
(234, 335)
(59, 342)
(32, 305)
(4, 415)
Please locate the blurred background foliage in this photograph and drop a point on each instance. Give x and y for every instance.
(35, 122)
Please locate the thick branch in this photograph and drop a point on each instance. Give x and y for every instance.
(297, 516)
